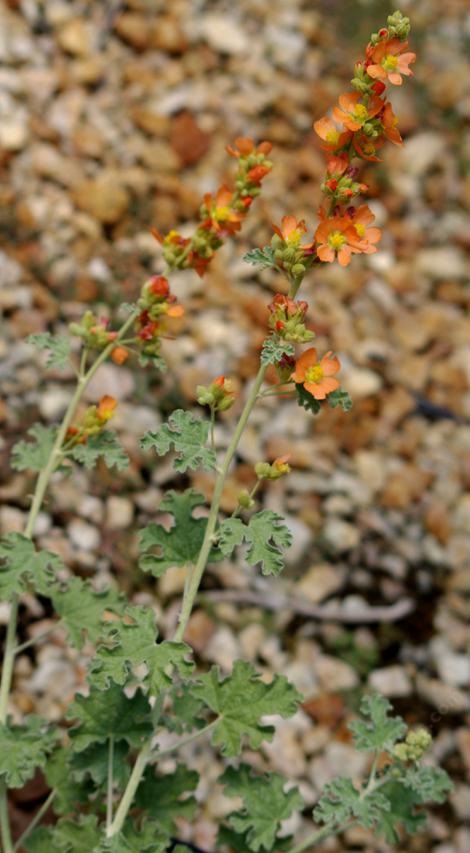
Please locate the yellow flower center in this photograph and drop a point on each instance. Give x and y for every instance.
(390, 62)
(360, 229)
(360, 112)
(336, 240)
(294, 237)
(314, 374)
(221, 213)
(332, 136)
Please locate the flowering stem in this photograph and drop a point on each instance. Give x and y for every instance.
(38, 497)
(318, 836)
(189, 597)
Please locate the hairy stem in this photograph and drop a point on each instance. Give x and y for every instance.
(7, 841)
(131, 788)
(38, 497)
(110, 787)
(320, 835)
(36, 819)
(189, 597)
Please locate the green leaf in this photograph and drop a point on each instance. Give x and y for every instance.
(147, 838)
(24, 748)
(261, 257)
(58, 345)
(186, 711)
(92, 764)
(81, 609)
(340, 398)
(241, 700)
(76, 837)
(110, 713)
(180, 545)
(341, 801)
(239, 843)
(306, 400)
(23, 565)
(104, 444)
(131, 641)
(155, 361)
(266, 534)
(401, 812)
(274, 349)
(188, 435)
(265, 804)
(72, 790)
(431, 784)
(161, 796)
(378, 731)
(34, 454)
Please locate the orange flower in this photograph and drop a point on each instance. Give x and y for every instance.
(317, 377)
(119, 355)
(366, 237)
(281, 465)
(291, 231)
(158, 286)
(389, 123)
(353, 114)
(106, 407)
(221, 218)
(175, 311)
(388, 61)
(366, 148)
(337, 237)
(244, 147)
(333, 138)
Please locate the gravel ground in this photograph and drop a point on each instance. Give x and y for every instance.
(113, 119)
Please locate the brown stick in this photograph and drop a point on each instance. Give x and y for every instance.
(324, 612)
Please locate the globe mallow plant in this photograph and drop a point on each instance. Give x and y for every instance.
(103, 762)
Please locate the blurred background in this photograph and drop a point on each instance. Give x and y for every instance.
(113, 119)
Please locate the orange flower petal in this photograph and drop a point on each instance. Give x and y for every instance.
(306, 360)
(330, 364)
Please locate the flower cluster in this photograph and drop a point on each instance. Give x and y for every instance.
(219, 395)
(278, 468)
(287, 319)
(93, 331)
(155, 304)
(360, 124)
(93, 422)
(220, 215)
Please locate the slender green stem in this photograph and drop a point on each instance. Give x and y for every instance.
(320, 835)
(38, 497)
(199, 568)
(191, 590)
(251, 495)
(132, 785)
(161, 753)
(212, 428)
(37, 817)
(37, 639)
(7, 840)
(110, 788)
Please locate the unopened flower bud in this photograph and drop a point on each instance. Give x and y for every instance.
(245, 500)
(298, 270)
(262, 470)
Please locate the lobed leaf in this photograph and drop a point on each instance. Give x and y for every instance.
(265, 804)
(58, 345)
(180, 545)
(274, 349)
(377, 731)
(106, 445)
(109, 713)
(241, 700)
(24, 565)
(263, 258)
(24, 748)
(34, 454)
(188, 435)
(161, 796)
(81, 608)
(341, 802)
(155, 361)
(431, 784)
(265, 534)
(131, 641)
(340, 398)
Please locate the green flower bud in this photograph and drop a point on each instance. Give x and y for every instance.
(262, 470)
(244, 500)
(298, 270)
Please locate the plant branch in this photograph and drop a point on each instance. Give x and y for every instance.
(5, 831)
(36, 819)
(110, 786)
